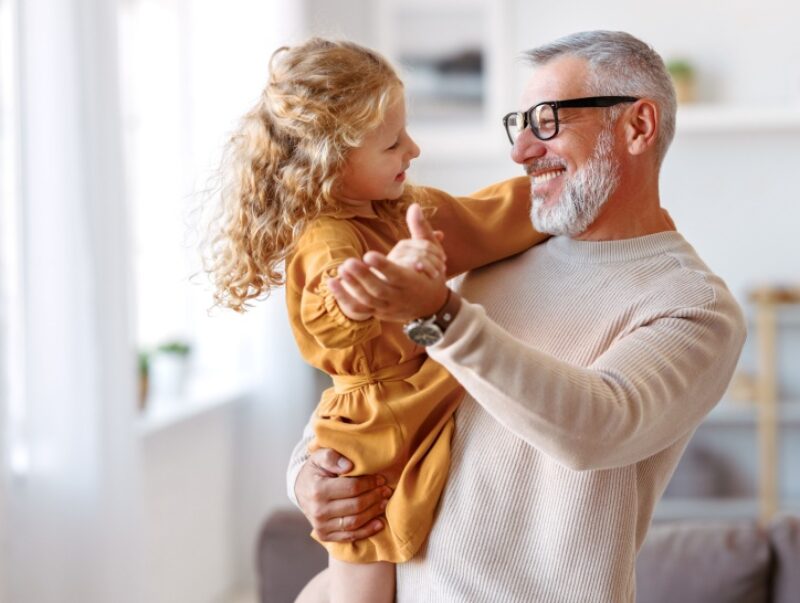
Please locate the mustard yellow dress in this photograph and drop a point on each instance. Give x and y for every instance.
(390, 410)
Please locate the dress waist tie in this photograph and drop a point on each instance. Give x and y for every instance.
(343, 384)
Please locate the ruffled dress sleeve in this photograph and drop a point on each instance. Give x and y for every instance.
(320, 252)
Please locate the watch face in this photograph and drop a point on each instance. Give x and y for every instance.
(424, 334)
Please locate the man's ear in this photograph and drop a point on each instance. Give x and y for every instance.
(641, 126)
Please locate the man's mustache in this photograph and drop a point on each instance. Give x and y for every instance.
(544, 164)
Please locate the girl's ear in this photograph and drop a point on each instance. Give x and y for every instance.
(641, 126)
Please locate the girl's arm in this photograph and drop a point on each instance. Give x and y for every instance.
(320, 253)
(489, 225)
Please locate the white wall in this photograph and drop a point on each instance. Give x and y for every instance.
(189, 509)
(744, 51)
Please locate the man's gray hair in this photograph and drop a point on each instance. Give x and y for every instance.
(619, 65)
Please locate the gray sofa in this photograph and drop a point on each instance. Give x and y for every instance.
(681, 562)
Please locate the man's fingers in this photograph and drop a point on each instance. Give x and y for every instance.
(353, 487)
(372, 528)
(418, 225)
(358, 504)
(331, 461)
(349, 521)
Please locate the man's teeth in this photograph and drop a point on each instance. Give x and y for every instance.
(542, 178)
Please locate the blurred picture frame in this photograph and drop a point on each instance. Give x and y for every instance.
(453, 61)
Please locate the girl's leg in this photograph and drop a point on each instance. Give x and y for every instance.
(317, 590)
(361, 582)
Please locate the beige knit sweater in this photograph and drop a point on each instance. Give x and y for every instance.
(588, 366)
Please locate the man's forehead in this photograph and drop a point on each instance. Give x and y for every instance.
(562, 78)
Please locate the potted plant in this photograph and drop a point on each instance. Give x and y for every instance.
(683, 77)
(168, 368)
(144, 374)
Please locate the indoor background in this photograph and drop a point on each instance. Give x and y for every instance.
(113, 114)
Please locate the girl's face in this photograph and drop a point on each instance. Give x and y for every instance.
(376, 170)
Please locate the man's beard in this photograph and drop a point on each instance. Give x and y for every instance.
(583, 195)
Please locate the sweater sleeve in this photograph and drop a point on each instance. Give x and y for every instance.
(648, 389)
(487, 226)
(317, 260)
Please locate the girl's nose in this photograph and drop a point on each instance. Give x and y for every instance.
(413, 150)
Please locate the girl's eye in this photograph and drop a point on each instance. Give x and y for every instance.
(394, 146)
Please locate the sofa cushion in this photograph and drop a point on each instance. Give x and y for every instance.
(785, 537)
(692, 562)
(287, 556)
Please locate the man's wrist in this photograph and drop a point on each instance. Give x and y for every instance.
(447, 313)
(430, 330)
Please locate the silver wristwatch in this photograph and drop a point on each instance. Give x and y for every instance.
(428, 331)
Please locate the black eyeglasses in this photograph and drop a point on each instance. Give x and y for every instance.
(543, 117)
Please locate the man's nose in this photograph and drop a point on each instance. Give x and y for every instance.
(527, 147)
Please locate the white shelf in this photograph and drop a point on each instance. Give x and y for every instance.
(722, 118)
(164, 412)
(738, 413)
(705, 508)
(675, 508)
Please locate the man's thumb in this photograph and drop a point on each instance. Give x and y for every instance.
(331, 461)
(418, 225)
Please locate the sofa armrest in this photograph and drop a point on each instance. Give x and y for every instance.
(690, 562)
(785, 537)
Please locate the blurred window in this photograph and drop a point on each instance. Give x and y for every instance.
(177, 113)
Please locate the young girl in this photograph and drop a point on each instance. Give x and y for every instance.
(316, 175)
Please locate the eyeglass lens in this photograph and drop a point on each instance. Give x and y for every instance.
(543, 122)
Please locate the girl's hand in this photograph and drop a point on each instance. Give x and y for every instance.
(390, 291)
(421, 255)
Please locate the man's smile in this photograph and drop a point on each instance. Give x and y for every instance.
(546, 175)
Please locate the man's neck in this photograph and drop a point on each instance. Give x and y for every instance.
(627, 215)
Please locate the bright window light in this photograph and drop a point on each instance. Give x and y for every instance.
(12, 315)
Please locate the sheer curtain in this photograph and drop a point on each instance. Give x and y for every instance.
(10, 306)
(71, 511)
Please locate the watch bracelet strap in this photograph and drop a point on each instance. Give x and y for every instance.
(447, 313)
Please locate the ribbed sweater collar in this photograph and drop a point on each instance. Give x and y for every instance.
(623, 250)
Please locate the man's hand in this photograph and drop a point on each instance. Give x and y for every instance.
(340, 509)
(391, 292)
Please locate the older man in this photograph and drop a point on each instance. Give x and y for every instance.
(589, 360)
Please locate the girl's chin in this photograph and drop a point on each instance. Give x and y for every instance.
(396, 191)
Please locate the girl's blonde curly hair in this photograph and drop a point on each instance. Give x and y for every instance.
(280, 168)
